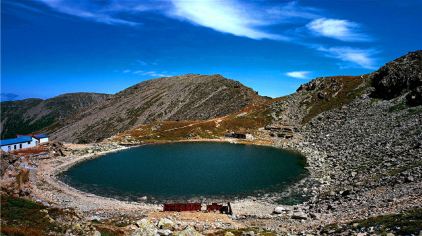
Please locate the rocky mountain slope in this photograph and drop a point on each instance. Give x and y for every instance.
(31, 115)
(363, 144)
(277, 117)
(187, 97)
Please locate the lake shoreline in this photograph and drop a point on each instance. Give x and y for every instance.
(48, 189)
(275, 159)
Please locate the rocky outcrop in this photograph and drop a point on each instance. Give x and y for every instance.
(401, 76)
(315, 97)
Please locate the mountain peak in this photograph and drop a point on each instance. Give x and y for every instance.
(184, 97)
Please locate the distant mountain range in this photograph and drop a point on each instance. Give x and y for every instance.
(32, 115)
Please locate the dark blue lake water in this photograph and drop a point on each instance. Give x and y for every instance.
(187, 170)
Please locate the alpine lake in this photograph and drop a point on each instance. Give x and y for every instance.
(191, 170)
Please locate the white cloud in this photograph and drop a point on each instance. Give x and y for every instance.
(86, 12)
(298, 74)
(226, 16)
(244, 19)
(339, 29)
(360, 57)
(151, 73)
(290, 11)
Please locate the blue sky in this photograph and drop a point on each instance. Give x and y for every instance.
(50, 47)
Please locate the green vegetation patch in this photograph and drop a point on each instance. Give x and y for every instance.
(17, 125)
(406, 223)
(397, 107)
(23, 217)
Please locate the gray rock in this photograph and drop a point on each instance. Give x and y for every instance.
(145, 228)
(279, 210)
(189, 231)
(165, 223)
(165, 232)
(299, 216)
(248, 233)
(97, 233)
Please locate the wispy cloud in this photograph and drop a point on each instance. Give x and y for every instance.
(353, 56)
(289, 11)
(227, 16)
(84, 10)
(141, 62)
(23, 6)
(298, 74)
(151, 73)
(338, 29)
(244, 19)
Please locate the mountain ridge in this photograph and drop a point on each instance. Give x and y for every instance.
(35, 114)
(185, 97)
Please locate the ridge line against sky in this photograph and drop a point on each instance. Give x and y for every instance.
(60, 46)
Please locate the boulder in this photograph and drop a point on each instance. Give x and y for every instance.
(299, 216)
(279, 210)
(145, 228)
(165, 232)
(165, 223)
(189, 231)
(97, 233)
(248, 233)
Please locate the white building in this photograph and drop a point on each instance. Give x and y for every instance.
(42, 138)
(22, 141)
(12, 144)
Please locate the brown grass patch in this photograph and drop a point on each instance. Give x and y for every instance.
(21, 231)
(33, 150)
(247, 120)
